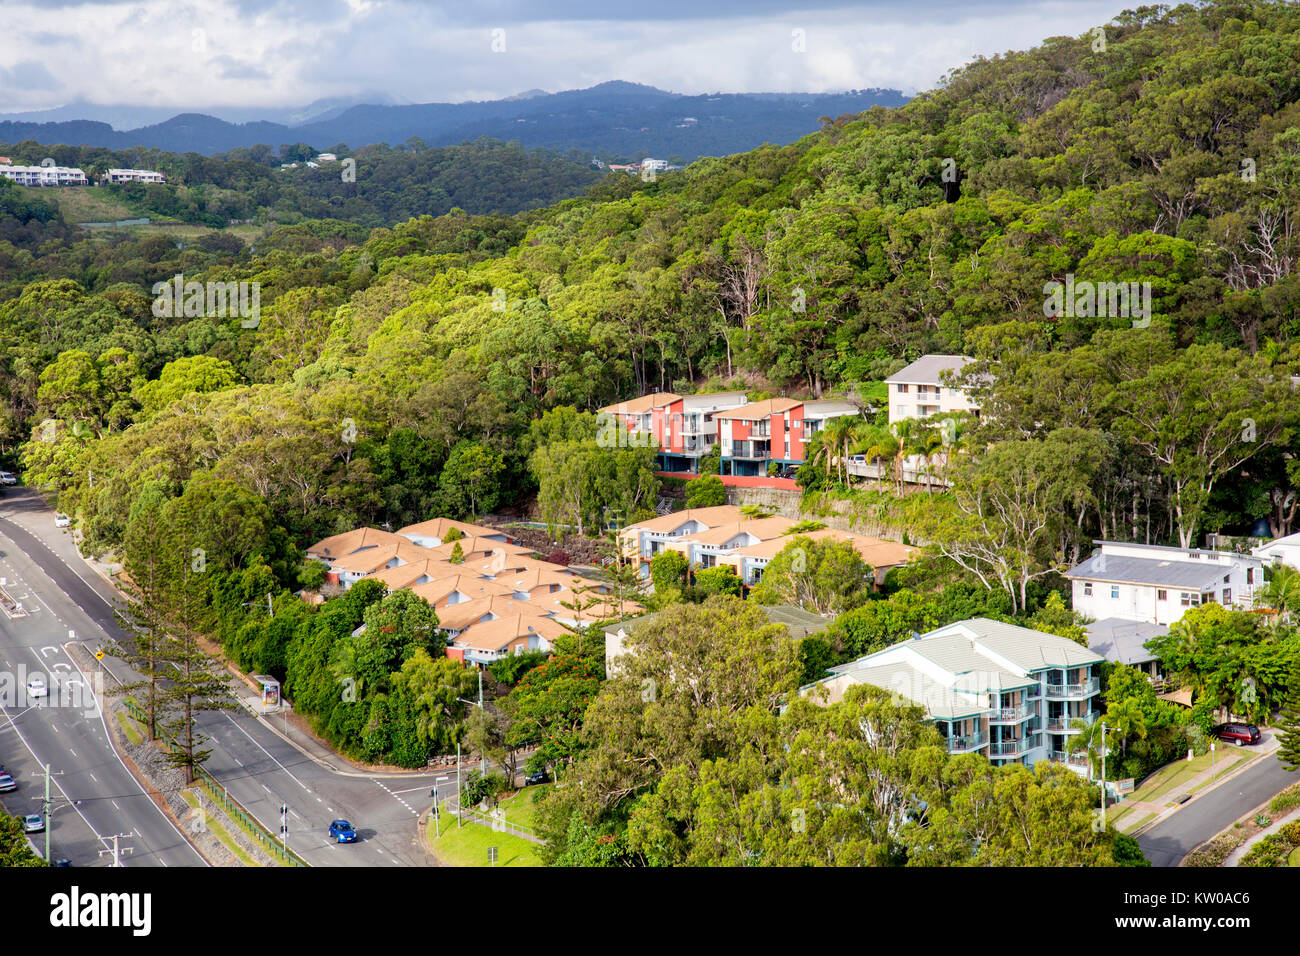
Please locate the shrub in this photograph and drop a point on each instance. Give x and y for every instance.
(479, 788)
(1270, 851)
(1262, 820)
(559, 557)
(1216, 851)
(1286, 801)
(1291, 833)
(706, 493)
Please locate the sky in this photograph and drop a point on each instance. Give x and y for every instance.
(196, 54)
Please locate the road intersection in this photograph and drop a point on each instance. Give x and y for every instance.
(62, 601)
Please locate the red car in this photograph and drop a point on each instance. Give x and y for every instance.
(1239, 734)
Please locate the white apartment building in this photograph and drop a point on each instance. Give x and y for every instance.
(133, 176)
(918, 391)
(1007, 692)
(1157, 584)
(44, 175)
(1284, 550)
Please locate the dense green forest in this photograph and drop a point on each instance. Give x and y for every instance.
(392, 370)
(377, 186)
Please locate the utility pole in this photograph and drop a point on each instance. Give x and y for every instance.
(116, 851)
(1103, 776)
(458, 785)
(45, 810)
(482, 770)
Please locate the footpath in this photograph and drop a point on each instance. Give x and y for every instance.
(1142, 814)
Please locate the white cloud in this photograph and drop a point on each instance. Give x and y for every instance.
(207, 53)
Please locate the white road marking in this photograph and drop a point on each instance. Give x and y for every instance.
(268, 753)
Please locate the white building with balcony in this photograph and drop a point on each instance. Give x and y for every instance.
(922, 389)
(44, 175)
(1157, 584)
(1010, 693)
(133, 176)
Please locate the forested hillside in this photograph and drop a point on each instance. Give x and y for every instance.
(616, 121)
(1168, 154)
(381, 185)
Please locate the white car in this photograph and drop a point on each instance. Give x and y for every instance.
(36, 687)
(62, 520)
(8, 478)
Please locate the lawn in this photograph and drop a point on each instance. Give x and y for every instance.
(521, 807)
(1294, 858)
(83, 203)
(468, 845)
(1168, 778)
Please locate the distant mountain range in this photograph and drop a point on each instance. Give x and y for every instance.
(612, 119)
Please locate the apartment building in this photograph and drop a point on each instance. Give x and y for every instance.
(643, 540)
(492, 596)
(1008, 692)
(133, 176)
(44, 175)
(681, 427)
(1157, 584)
(775, 431)
(724, 537)
(750, 561)
(920, 389)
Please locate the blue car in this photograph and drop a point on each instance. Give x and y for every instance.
(342, 832)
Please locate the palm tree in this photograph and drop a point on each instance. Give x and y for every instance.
(1089, 737)
(876, 443)
(1282, 590)
(911, 441)
(1127, 719)
(820, 451)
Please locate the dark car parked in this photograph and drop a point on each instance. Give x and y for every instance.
(535, 776)
(1239, 734)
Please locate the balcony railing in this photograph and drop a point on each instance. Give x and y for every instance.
(1079, 759)
(966, 742)
(1005, 715)
(1088, 687)
(747, 449)
(1011, 748)
(1063, 722)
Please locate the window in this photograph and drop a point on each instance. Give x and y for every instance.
(1227, 595)
(902, 390)
(1188, 600)
(1114, 592)
(1087, 589)
(1250, 576)
(1162, 595)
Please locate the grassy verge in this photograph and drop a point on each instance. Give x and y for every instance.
(1294, 858)
(520, 809)
(1168, 778)
(220, 832)
(130, 728)
(468, 845)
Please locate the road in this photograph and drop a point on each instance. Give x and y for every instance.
(1173, 838)
(93, 796)
(258, 767)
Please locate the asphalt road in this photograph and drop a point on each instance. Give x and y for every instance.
(1170, 840)
(93, 796)
(257, 766)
